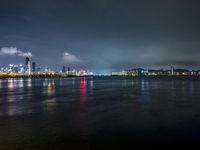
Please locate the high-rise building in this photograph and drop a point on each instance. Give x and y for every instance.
(33, 67)
(21, 68)
(27, 67)
(68, 69)
(172, 70)
(63, 69)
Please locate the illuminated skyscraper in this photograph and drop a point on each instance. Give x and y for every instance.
(27, 67)
(21, 68)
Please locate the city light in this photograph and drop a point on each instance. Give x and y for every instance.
(28, 70)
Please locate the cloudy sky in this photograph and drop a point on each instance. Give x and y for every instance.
(101, 35)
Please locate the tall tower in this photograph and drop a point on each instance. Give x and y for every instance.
(172, 70)
(27, 67)
(63, 69)
(33, 67)
(68, 69)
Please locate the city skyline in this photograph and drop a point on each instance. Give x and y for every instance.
(101, 35)
(31, 68)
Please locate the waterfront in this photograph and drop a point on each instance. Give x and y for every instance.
(97, 111)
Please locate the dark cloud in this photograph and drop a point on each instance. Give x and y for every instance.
(103, 34)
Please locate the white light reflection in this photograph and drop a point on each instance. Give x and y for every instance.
(29, 84)
(10, 83)
(21, 83)
(50, 103)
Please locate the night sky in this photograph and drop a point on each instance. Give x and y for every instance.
(101, 35)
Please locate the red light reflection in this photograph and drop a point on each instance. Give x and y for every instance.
(82, 89)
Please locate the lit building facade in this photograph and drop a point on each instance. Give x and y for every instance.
(27, 67)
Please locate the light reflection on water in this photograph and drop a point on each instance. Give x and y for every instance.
(10, 83)
(29, 84)
(51, 101)
(53, 108)
(82, 90)
(21, 96)
(25, 96)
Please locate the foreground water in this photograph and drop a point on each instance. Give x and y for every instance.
(55, 113)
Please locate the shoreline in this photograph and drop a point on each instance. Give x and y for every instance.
(46, 76)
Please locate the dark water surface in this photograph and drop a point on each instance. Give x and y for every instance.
(97, 112)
